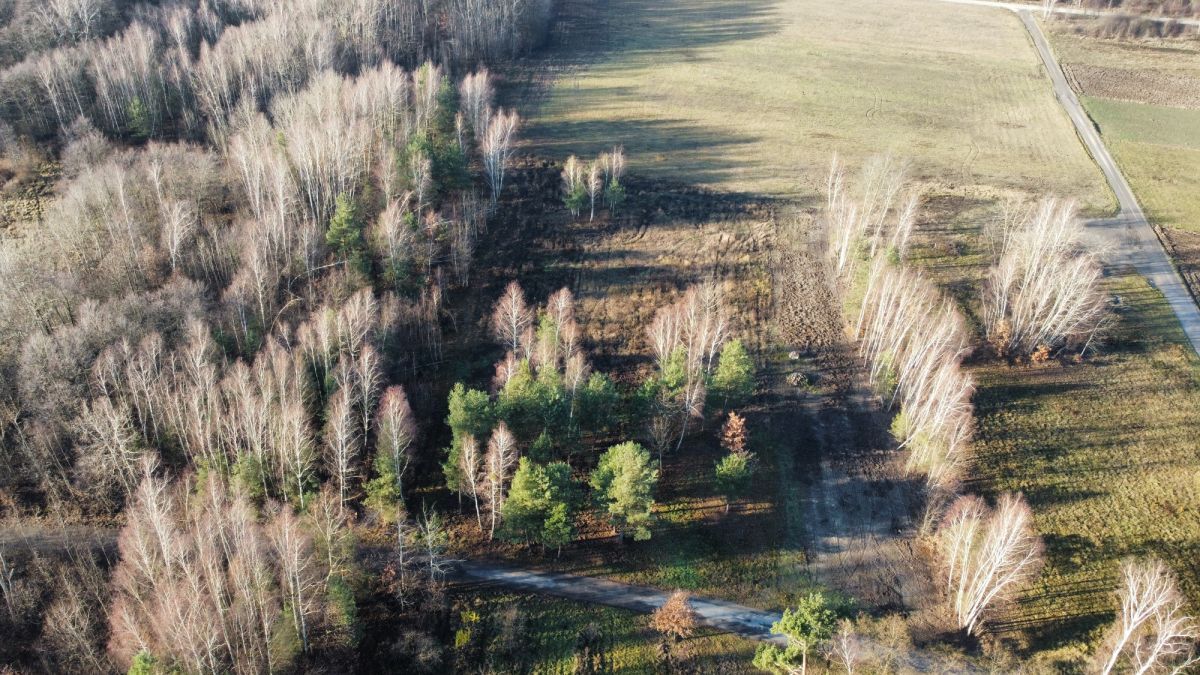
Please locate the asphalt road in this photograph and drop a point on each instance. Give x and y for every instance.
(1128, 238)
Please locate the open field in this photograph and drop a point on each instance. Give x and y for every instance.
(1158, 149)
(756, 96)
(1145, 98)
(1104, 450)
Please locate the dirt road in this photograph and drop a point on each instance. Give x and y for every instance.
(752, 623)
(1128, 238)
(727, 616)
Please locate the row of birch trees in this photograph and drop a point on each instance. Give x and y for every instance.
(913, 339)
(1041, 296)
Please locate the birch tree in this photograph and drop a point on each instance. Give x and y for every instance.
(875, 216)
(987, 553)
(1044, 291)
(574, 190)
(471, 476)
(342, 443)
(1152, 633)
(475, 94)
(297, 570)
(395, 432)
(594, 185)
(511, 318)
(498, 466)
(498, 146)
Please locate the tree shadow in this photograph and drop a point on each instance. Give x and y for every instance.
(618, 35)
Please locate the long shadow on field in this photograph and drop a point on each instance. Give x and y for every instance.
(699, 153)
(613, 35)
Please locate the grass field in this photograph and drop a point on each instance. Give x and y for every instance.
(756, 95)
(1105, 451)
(1145, 98)
(1158, 149)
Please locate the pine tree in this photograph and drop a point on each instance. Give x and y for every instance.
(345, 233)
(624, 484)
(733, 379)
(540, 504)
(733, 474)
(805, 627)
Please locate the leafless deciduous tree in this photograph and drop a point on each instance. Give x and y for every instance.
(1152, 633)
(878, 217)
(594, 185)
(203, 584)
(497, 147)
(987, 553)
(498, 465)
(475, 94)
(470, 466)
(395, 432)
(511, 318)
(914, 338)
(1045, 288)
(573, 182)
(299, 576)
(71, 19)
(342, 443)
(693, 329)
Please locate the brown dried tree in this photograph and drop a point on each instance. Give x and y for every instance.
(675, 618)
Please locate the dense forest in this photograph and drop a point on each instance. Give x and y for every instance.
(258, 209)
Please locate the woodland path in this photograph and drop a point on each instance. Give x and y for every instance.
(1128, 238)
(727, 616)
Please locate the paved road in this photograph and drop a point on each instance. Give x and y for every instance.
(1127, 239)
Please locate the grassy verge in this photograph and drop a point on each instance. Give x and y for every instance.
(1158, 148)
